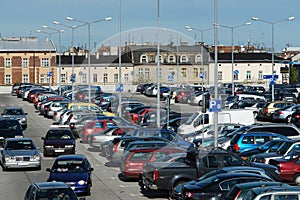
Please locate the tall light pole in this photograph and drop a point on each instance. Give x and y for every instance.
(59, 56)
(88, 24)
(49, 37)
(272, 23)
(232, 50)
(216, 114)
(158, 66)
(189, 28)
(119, 54)
(72, 52)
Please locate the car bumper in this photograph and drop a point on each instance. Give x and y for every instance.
(54, 151)
(148, 185)
(79, 188)
(22, 164)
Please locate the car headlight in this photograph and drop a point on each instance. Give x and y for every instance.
(37, 157)
(69, 146)
(82, 182)
(23, 119)
(9, 158)
(49, 146)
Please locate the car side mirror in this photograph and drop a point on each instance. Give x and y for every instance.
(26, 113)
(48, 170)
(91, 169)
(43, 138)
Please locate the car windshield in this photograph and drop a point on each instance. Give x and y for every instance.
(58, 135)
(19, 145)
(69, 166)
(10, 125)
(54, 193)
(13, 112)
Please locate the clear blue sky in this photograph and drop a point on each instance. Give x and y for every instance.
(23, 17)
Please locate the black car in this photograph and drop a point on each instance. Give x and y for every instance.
(10, 128)
(59, 140)
(295, 119)
(217, 186)
(50, 190)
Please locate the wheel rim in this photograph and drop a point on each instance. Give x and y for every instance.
(297, 180)
(288, 119)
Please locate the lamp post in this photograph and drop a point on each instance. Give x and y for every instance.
(158, 66)
(189, 28)
(88, 24)
(232, 50)
(49, 37)
(59, 56)
(272, 23)
(72, 52)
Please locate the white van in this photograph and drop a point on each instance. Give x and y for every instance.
(199, 120)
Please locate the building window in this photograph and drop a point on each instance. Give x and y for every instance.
(260, 75)
(7, 62)
(198, 58)
(171, 59)
(141, 72)
(7, 79)
(42, 79)
(236, 76)
(95, 78)
(25, 78)
(144, 59)
(105, 78)
(48, 79)
(160, 59)
(116, 78)
(147, 73)
(63, 78)
(248, 75)
(220, 75)
(183, 72)
(196, 73)
(25, 62)
(126, 78)
(84, 78)
(45, 62)
(183, 59)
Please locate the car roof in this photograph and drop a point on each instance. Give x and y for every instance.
(47, 185)
(150, 149)
(18, 139)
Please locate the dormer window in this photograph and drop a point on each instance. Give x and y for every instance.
(171, 59)
(184, 59)
(144, 58)
(198, 58)
(160, 59)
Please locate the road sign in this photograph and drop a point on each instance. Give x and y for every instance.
(201, 75)
(270, 76)
(236, 72)
(272, 81)
(170, 78)
(49, 74)
(132, 73)
(119, 87)
(73, 78)
(80, 73)
(215, 105)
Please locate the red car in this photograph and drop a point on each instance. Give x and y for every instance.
(183, 96)
(94, 127)
(132, 163)
(288, 167)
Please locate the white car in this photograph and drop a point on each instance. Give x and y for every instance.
(196, 98)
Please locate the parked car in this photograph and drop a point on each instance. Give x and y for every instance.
(246, 141)
(183, 96)
(16, 113)
(267, 112)
(217, 186)
(50, 190)
(285, 114)
(59, 140)
(295, 118)
(133, 160)
(20, 153)
(75, 170)
(10, 128)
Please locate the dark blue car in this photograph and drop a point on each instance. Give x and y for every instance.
(75, 170)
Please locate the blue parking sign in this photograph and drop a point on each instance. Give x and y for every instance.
(215, 105)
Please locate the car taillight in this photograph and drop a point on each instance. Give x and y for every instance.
(155, 175)
(280, 112)
(189, 195)
(72, 126)
(55, 113)
(297, 116)
(267, 110)
(47, 108)
(115, 148)
(236, 147)
(135, 117)
(237, 195)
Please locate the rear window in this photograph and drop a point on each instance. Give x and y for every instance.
(138, 156)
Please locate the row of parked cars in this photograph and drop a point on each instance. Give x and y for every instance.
(187, 167)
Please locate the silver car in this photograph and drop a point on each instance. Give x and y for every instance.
(20, 153)
(16, 113)
(285, 114)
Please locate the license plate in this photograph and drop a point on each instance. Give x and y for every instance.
(59, 150)
(73, 188)
(23, 163)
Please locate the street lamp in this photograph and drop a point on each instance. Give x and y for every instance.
(88, 24)
(272, 23)
(232, 50)
(49, 37)
(189, 28)
(72, 52)
(59, 55)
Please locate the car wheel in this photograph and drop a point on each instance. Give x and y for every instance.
(297, 179)
(200, 103)
(174, 186)
(288, 119)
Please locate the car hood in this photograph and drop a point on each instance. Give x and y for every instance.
(31, 152)
(68, 176)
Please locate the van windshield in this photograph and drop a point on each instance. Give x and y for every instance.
(191, 118)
